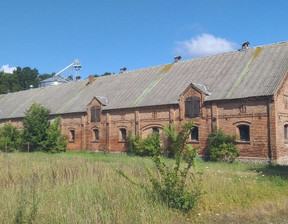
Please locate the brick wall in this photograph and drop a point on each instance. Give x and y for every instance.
(260, 114)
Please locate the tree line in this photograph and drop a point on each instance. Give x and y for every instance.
(23, 78)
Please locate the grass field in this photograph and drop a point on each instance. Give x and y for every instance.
(75, 187)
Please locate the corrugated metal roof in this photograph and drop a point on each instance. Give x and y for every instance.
(257, 71)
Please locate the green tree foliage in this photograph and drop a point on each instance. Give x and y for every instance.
(26, 77)
(11, 136)
(21, 79)
(36, 124)
(55, 141)
(8, 83)
(41, 135)
(173, 187)
(221, 147)
(146, 147)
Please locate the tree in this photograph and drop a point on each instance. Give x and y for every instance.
(41, 135)
(8, 83)
(36, 125)
(26, 77)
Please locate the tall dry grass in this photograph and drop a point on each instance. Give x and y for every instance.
(84, 188)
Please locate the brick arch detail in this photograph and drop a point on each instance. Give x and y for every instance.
(151, 126)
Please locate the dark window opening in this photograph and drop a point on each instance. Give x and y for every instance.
(123, 134)
(96, 134)
(72, 135)
(244, 132)
(286, 133)
(155, 131)
(95, 114)
(195, 134)
(192, 107)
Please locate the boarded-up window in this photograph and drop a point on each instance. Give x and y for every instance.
(95, 114)
(244, 132)
(192, 107)
(195, 134)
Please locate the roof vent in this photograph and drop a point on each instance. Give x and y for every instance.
(245, 45)
(78, 78)
(122, 70)
(177, 58)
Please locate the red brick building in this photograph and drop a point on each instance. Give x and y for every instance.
(243, 92)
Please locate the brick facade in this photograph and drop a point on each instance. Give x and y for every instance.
(265, 128)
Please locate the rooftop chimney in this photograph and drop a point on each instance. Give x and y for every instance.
(245, 45)
(91, 79)
(78, 78)
(177, 58)
(122, 70)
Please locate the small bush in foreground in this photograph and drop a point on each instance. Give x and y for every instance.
(172, 187)
(221, 147)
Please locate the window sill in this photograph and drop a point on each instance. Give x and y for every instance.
(243, 142)
(193, 142)
(95, 141)
(122, 141)
(71, 141)
(192, 117)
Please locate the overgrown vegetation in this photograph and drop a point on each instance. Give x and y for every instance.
(177, 186)
(172, 187)
(38, 132)
(75, 187)
(10, 138)
(143, 147)
(221, 147)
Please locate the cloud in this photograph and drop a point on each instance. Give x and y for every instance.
(7, 69)
(203, 45)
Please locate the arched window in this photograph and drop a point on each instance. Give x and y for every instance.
(192, 107)
(72, 135)
(95, 114)
(286, 133)
(96, 134)
(194, 134)
(244, 132)
(155, 131)
(123, 134)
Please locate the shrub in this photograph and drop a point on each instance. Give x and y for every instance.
(55, 141)
(221, 147)
(172, 187)
(11, 136)
(145, 147)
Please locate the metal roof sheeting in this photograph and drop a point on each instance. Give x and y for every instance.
(256, 71)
